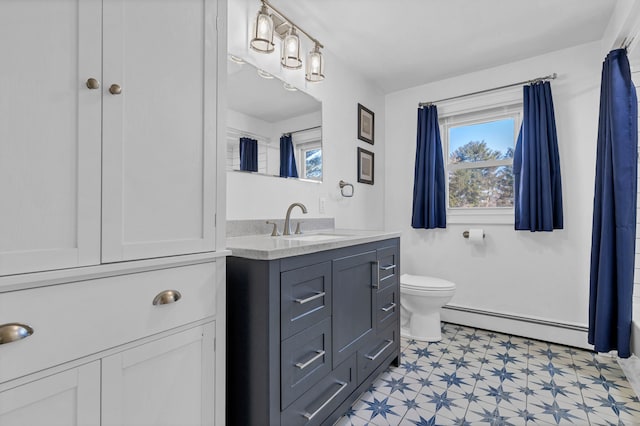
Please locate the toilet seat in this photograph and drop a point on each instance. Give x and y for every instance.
(425, 283)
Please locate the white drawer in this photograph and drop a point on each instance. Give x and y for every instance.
(73, 320)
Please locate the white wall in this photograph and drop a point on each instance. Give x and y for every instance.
(538, 275)
(257, 197)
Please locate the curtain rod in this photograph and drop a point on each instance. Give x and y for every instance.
(302, 130)
(535, 80)
(626, 42)
(244, 134)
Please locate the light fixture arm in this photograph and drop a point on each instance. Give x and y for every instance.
(293, 24)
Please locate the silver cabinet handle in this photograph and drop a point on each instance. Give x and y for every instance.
(318, 295)
(310, 416)
(166, 297)
(387, 277)
(376, 267)
(384, 348)
(318, 355)
(386, 268)
(13, 332)
(389, 307)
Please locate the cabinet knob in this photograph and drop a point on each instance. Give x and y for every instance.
(115, 89)
(93, 84)
(14, 332)
(166, 297)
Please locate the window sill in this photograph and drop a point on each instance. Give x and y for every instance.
(497, 216)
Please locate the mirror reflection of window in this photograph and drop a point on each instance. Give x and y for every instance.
(308, 152)
(310, 155)
(264, 110)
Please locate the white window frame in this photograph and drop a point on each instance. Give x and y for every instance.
(302, 148)
(482, 113)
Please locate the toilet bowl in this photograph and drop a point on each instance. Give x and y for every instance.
(421, 298)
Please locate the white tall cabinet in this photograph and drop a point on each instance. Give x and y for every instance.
(159, 132)
(112, 260)
(50, 134)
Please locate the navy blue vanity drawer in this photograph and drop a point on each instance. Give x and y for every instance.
(315, 405)
(371, 355)
(305, 297)
(305, 359)
(387, 307)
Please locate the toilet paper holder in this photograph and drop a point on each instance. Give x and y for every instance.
(466, 234)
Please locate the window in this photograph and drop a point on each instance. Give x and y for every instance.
(479, 150)
(310, 155)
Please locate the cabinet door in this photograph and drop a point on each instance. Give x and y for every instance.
(49, 134)
(166, 382)
(353, 318)
(159, 130)
(68, 398)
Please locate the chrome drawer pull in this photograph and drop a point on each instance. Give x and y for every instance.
(384, 348)
(13, 332)
(310, 416)
(318, 355)
(318, 295)
(166, 297)
(386, 268)
(387, 277)
(389, 307)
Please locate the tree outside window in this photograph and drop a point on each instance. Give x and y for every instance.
(480, 161)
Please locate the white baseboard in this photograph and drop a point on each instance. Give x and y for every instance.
(534, 328)
(635, 337)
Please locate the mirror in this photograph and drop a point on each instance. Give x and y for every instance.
(261, 110)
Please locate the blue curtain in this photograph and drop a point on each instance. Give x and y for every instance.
(614, 209)
(536, 164)
(248, 154)
(287, 157)
(429, 206)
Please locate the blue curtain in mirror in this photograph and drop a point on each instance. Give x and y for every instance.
(287, 157)
(536, 164)
(248, 154)
(614, 209)
(429, 204)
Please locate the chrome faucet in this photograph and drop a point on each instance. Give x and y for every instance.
(287, 226)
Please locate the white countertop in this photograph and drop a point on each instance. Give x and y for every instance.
(266, 247)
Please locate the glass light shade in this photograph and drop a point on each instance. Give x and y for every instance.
(315, 66)
(262, 73)
(291, 51)
(236, 59)
(262, 40)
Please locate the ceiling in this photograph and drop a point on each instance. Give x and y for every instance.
(264, 99)
(399, 44)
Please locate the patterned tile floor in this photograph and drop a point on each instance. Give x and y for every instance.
(475, 377)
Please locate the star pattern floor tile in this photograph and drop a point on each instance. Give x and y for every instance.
(479, 377)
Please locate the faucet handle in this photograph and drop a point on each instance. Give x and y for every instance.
(274, 232)
(298, 230)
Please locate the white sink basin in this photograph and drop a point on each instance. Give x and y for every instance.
(314, 237)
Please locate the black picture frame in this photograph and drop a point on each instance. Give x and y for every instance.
(366, 163)
(366, 124)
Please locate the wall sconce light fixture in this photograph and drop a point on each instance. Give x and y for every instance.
(262, 41)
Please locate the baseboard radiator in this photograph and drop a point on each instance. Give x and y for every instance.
(563, 333)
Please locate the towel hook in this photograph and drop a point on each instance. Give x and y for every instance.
(344, 184)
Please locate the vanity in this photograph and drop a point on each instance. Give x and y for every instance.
(313, 319)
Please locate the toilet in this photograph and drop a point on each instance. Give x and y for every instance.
(421, 298)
